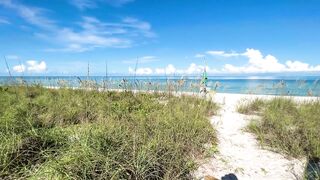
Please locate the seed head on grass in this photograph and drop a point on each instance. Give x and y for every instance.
(82, 134)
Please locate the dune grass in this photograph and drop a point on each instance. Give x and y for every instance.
(287, 126)
(79, 134)
(251, 107)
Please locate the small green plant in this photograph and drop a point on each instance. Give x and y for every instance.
(250, 107)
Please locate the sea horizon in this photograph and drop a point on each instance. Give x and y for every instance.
(260, 85)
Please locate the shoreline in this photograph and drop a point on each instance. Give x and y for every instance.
(196, 93)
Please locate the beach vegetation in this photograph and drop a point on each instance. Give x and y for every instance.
(250, 107)
(90, 134)
(286, 125)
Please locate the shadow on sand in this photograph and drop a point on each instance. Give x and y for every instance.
(313, 169)
(230, 176)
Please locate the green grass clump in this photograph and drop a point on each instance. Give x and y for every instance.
(80, 134)
(250, 107)
(290, 127)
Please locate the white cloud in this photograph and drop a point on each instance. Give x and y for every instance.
(83, 4)
(19, 68)
(148, 57)
(117, 3)
(171, 69)
(91, 4)
(160, 71)
(200, 56)
(195, 69)
(90, 39)
(300, 66)
(215, 52)
(32, 15)
(136, 23)
(223, 53)
(257, 63)
(90, 33)
(141, 71)
(31, 66)
(35, 66)
(70, 48)
(137, 27)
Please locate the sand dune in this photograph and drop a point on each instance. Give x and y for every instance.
(239, 151)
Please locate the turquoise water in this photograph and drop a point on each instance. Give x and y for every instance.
(294, 86)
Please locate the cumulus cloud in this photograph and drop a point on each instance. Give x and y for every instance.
(298, 66)
(171, 69)
(35, 66)
(19, 68)
(31, 66)
(197, 69)
(141, 71)
(258, 63)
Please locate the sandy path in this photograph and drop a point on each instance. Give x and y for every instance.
(239, 151)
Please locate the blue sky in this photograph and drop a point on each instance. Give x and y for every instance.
(60, 37)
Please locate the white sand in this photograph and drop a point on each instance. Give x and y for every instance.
(239, 151)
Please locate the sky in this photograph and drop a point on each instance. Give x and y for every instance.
(159, 37)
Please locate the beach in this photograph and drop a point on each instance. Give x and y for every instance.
(160, 90)
(240, 152)
(175, 131)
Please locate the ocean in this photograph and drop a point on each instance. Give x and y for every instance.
(268, 85)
